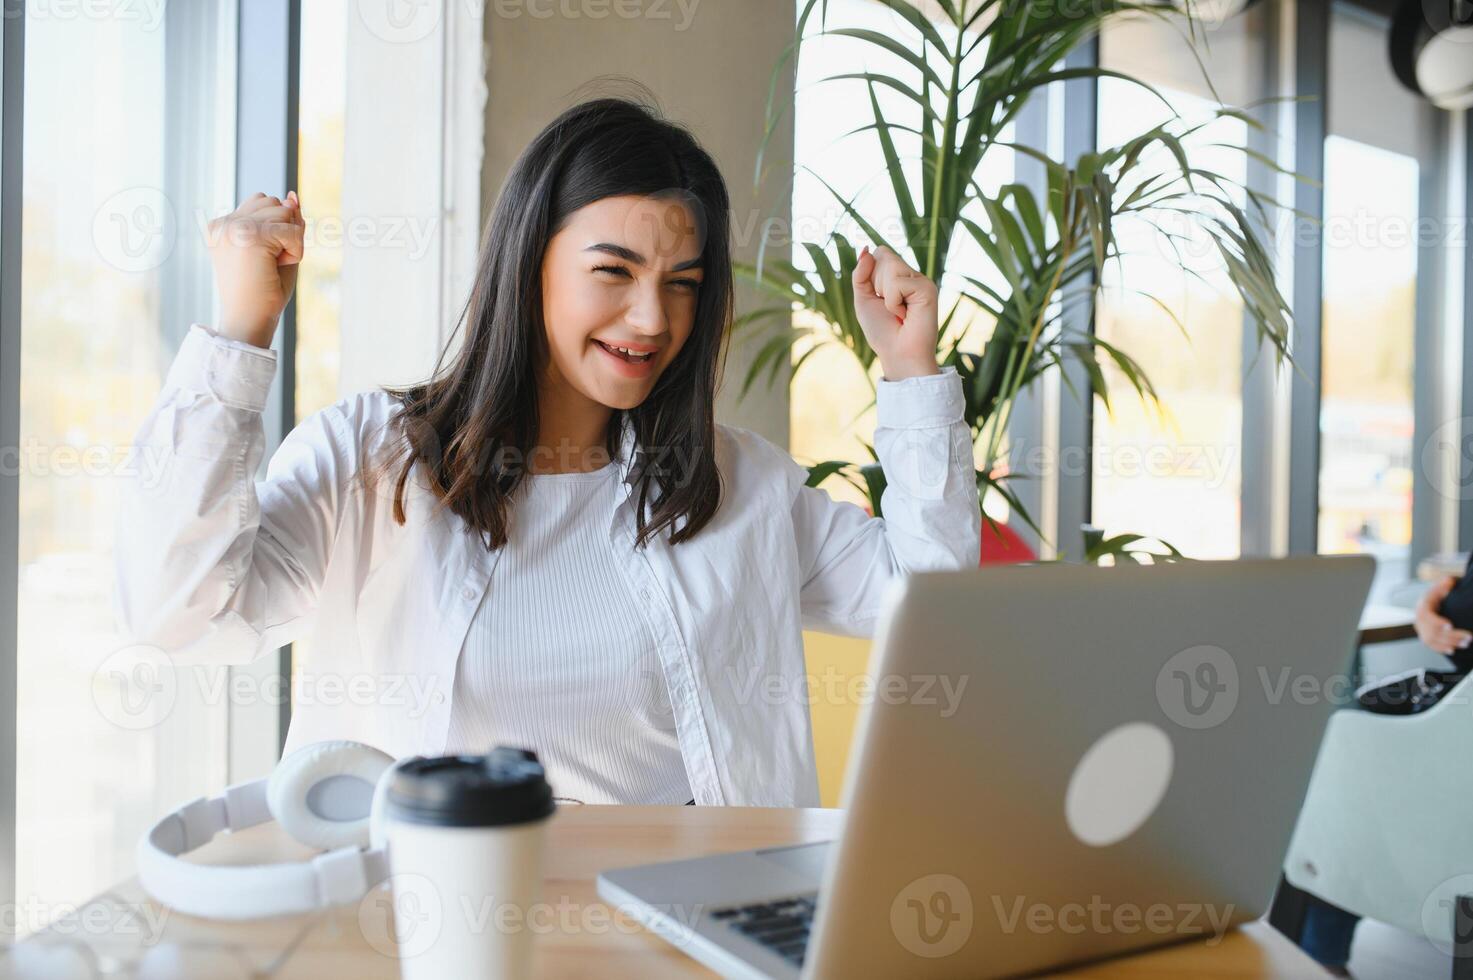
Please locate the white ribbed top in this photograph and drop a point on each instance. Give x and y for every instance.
(560, 660)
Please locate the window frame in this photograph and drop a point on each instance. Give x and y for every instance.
(1281, 450)
(12, 129)
(268, 85)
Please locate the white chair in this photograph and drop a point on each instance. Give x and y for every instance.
(1387, 826)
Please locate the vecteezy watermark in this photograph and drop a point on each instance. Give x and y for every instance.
(1211, 465)
(411, 234)
(411, 21)
(1101, 917)
(646, 693)
(407, 914)
(932, 915)
(401, 917)
(147, 14)
(1447, 916)
(1447, 459)
(35, 458)
(1198, 687)
(753, 685)
(403, 21)
(136, 687)
(142, 922)
(668, 466)
(1201, 686)
(919, 460)
(678, 13)
(136, 229)
(669, 224)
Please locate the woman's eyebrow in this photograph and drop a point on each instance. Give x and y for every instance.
(630, 255)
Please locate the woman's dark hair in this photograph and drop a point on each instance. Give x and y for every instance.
(473, 415)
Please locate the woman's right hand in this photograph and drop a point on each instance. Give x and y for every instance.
(1433, 628)
(255, 250)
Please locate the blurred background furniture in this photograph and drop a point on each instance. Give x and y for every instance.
(1385, 833)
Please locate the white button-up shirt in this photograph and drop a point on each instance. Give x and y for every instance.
(216, 567)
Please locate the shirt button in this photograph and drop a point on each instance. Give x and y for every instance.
(644, 595)
(468, 592)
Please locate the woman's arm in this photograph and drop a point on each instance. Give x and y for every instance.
(213, 567)
(210, 567)
(931, 515)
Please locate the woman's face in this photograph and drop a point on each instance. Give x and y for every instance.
(623, 272)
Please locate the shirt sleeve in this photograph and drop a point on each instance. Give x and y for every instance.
(932, 520)
(213, 566)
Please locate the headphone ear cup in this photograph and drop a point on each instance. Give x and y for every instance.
(321, 794)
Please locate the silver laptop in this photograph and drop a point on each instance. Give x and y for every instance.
(1119, 764)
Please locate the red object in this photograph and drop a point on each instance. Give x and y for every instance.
(1001, 545)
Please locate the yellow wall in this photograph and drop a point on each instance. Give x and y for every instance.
(834, 665)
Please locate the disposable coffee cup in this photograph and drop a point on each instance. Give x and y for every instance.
(466, 837)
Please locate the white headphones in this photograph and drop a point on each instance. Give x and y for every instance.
(328, 795)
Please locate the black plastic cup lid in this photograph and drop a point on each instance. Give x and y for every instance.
(503, 787)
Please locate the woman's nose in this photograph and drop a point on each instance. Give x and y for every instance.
(647, 313)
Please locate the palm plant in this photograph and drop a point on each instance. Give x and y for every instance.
(974, 66)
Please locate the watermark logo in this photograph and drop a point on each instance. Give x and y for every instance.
(1183, 240)
(402, 917)
(135, 687)
(1101, 917)
(647, 694)
(923, 461)
(1447, 459)
(667, 226)
(932, 916)
(750, 684)
(1198, 687)
(400, 21)
(1448, 912)
(148, 15)
(136, 229)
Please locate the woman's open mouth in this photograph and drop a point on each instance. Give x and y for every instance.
(624, 354)
(627, 362)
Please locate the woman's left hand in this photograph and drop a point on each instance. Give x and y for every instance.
(1433, 628)
(896, 306)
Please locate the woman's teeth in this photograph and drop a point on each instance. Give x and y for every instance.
(625, 352)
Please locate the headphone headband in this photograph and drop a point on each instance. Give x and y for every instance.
(342, 874)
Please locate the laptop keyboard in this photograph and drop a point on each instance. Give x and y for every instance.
(782, 926)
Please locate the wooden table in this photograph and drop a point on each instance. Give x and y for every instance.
(590, 941)
(1436, 567)
(1386, 624)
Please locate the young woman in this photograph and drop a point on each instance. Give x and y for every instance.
(550, 543)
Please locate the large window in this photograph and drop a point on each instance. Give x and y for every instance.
(1370, 318)
(1173, 470)
(121, 172)
(1380, 141)
(320, 184)
(829, 419)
